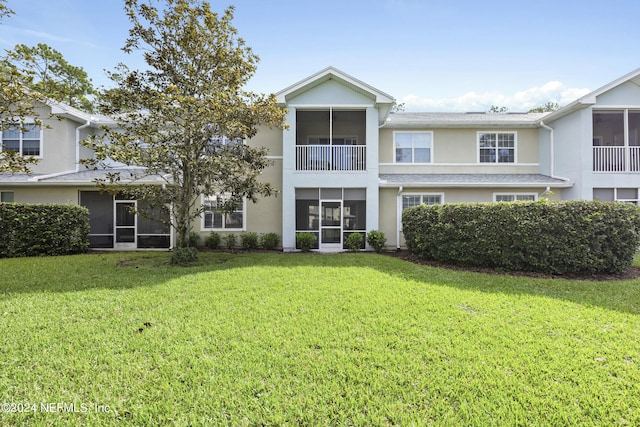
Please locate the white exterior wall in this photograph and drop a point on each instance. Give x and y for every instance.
(330, 94)
(574, 145)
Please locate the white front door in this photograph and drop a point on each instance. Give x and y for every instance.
(331, 225)
(125, 224)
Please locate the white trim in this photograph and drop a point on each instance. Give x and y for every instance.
(459, 164)
(27, 121)
(496, 132)
(325, 106)
(515, 195)
(274, 157)
(393, 147)
(244, 217)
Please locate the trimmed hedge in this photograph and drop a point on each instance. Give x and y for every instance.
(549, 237)
(42, 229)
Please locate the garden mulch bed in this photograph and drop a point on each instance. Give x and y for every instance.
(631, 273)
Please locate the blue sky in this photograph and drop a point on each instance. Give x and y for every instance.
(453, 55)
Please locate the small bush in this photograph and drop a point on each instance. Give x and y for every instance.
(306, 241)
(353, 242)
(230, 241)
(377, 240)
(269, 241)
(194, 239)
(184, 256)
(249, 241)
(212, 241)
(43, 229)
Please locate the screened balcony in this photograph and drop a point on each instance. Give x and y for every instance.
(616, 140)
(331, 140)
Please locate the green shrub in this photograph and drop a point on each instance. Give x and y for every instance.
(184, 255)
(249, 240)
(212, 241)
(269, 241)
(354, 241)
(230, 241)
(551, 237)
(194, 239)
(306, 241)
(42, 229)
(377, 240)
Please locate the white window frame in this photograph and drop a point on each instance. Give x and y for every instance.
(496, 133)
(515, 196)
(412, 162)
(243, 210)
(21, 140)
(422, 196)
(2, 195)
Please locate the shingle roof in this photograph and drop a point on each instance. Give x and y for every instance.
(473, 180)
(81, 177)
(415, 120)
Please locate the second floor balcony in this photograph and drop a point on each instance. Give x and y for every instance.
(331, 158)
(616, 158)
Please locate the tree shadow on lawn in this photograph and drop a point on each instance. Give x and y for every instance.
(146, 269)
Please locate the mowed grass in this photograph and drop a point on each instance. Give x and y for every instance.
(300, 339)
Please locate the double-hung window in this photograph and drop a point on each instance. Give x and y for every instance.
(515, 197)
(413, 147)
(6, 196)
(24, 140)
(411, 200)
(215, 217)
(497, 147)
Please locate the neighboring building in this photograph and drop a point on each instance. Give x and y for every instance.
(348, 164)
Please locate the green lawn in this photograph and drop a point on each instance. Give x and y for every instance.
(299, 339)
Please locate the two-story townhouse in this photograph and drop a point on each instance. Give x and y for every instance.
(348, 164)
(595, 141)
(59, 177)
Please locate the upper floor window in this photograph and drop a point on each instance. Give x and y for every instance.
(216, 218)
(497, 147)
(413, 147)
(515, 197)
(24, 140)
(411, 200)
(219, 141)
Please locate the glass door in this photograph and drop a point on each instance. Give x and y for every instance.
(331, 224)
(125, 224)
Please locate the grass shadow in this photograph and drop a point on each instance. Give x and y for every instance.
(139, 269)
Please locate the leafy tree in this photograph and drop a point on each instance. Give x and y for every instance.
(497, 110)
(17, 103)
(173, 115)
(52, 75)
(546, 108)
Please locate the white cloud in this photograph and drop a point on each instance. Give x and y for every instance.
(38, 36)
(553, 91)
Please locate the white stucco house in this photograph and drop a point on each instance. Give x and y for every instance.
(349, 164)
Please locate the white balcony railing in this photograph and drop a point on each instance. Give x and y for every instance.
(331, 157)
(616, 159)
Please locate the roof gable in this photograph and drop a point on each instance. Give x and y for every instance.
(331, 73)
(591, 99)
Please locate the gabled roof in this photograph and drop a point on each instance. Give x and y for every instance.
(332, 73)
(590, 98)
(71, 113)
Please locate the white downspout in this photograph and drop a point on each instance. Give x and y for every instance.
(399, 216)
(78, 143)
(77, 168)
(552, 165)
